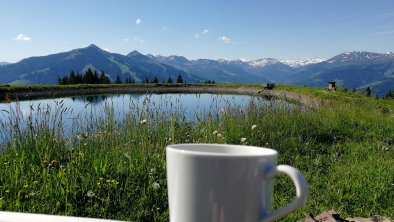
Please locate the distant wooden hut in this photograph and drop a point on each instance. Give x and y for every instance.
(269, 86)
(331, 86)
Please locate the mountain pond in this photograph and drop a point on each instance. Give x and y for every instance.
(83, 113)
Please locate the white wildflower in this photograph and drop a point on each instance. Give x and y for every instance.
(90, 194)
(143, 121)
(254, 127)
(215, 132)
(243, 139)
(219, 135)
(156, 185)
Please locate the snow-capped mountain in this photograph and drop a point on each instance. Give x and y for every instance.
(240, 61)
(361, 57)
(264, 62)
(295, 63)
(356, 69)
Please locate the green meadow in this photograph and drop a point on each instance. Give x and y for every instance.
(116, 169)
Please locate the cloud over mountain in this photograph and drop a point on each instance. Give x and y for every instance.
(22, 37)
(138, 22)
(224, 39)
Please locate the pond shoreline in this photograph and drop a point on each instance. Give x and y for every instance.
(28, 93)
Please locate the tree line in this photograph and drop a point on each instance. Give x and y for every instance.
(179, 79)
(389, 94)
(89, 77)
(93, 77)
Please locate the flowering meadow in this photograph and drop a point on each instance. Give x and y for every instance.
(115, 169)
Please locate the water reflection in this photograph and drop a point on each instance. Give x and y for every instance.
(90, 99)
(75, 114)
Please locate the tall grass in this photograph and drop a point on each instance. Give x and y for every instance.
(116, 169)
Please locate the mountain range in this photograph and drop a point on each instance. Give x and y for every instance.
(353, 70)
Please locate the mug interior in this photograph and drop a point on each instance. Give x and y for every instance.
(221, 150)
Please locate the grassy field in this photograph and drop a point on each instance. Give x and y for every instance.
(116, 169)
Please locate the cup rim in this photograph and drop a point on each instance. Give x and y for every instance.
(243, 150)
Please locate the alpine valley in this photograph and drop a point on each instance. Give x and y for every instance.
(352, 70)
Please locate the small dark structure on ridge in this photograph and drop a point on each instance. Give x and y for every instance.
(269, 86)
(331, 86)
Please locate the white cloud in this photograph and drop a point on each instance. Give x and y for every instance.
(138, 21)
(136, 39)
(125, 39)
(198, 35)
(107, 49)
(225, 39)
(22, 37)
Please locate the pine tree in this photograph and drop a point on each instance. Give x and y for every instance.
(118, 80)
(368, 91)
(389, 95)
(88, 78)
(169, 80)
(72, 78)
(155, 80)
(95, 79)
(64, 80)
(103, 79)
(179, 79)
(78, 78)
(129, 80)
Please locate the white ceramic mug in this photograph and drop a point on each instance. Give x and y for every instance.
(226, 183)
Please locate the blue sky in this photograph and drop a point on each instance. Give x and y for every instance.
(249, 29)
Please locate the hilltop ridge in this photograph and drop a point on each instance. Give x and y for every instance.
(353, 70)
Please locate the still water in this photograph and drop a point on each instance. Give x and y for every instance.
(190, 106)
(79, 113)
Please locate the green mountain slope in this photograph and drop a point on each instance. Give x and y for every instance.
(47, 69)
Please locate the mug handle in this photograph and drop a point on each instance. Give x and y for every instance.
(301, 192)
